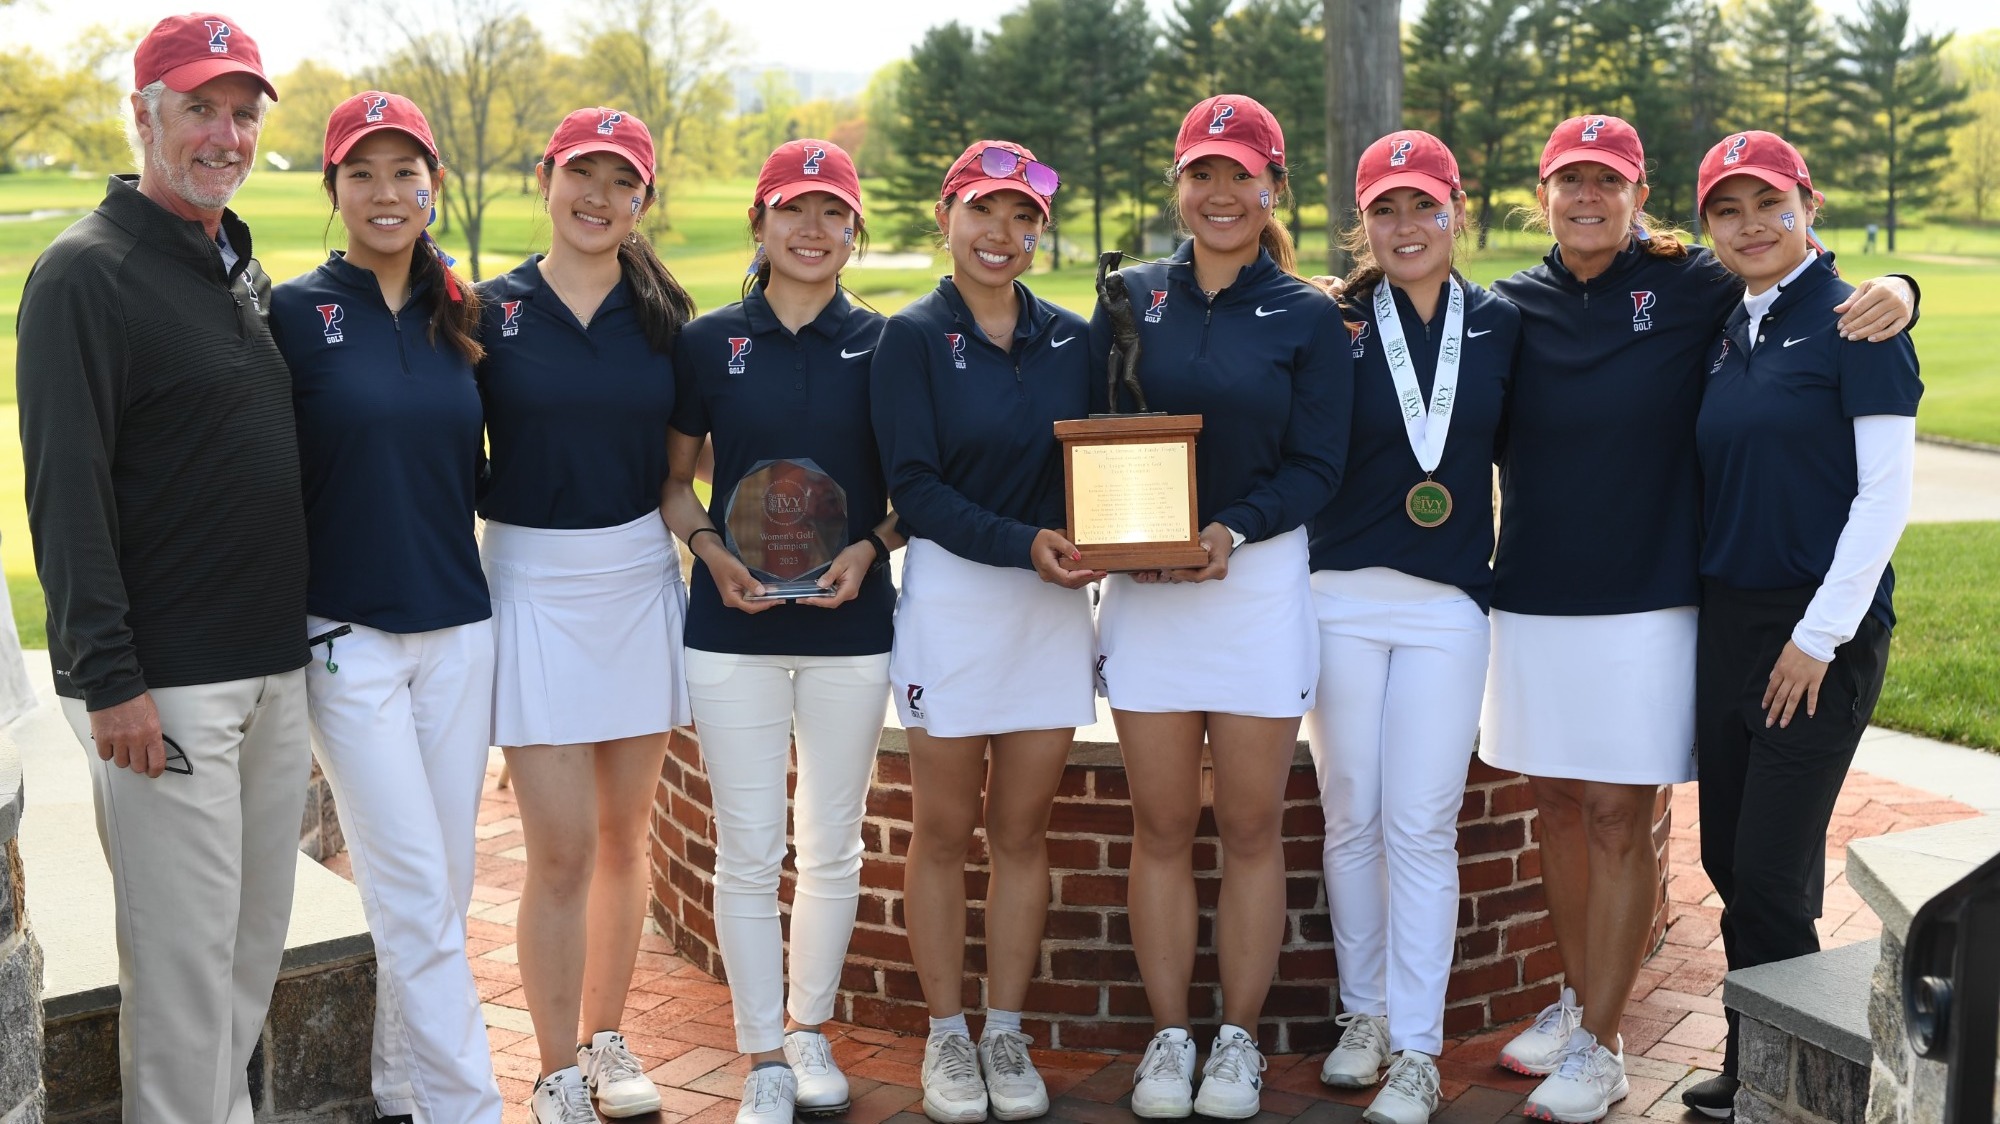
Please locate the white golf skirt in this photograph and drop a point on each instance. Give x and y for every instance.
(587, 632)
(1248, 644)
(988, 649)
(1600, 698)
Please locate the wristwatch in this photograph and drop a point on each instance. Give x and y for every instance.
(881, 553)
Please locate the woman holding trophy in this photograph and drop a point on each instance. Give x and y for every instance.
(991, 663)
(788, 613)
(1228, 653)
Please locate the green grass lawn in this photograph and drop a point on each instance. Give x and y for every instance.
(707, 249)
(1944, 666)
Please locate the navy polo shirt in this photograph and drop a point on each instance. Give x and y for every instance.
(761, 393)
(576, 417)
(967, 431)
(389, 453)
(1367, 524)
(1600, 494)
(1265, 364)
(1776, 435)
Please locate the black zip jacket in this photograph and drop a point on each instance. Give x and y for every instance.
(162, 462)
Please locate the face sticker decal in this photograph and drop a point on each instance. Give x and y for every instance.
(637, 202)
(1264, 200)
(1444, 220)
(423, 198)
(1791, 221)
(847, 236)
(1028, 243)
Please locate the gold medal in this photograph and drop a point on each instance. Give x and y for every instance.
(1428, 503)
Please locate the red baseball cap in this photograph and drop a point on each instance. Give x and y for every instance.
(967, 180)
(372, 112)
(602, 129)
(1407, 158)
(1596, 138)
(796, 167)
(186, 51)
(1767, 156)
(1232, 125)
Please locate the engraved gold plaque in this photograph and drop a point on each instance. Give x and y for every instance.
(1130, 491)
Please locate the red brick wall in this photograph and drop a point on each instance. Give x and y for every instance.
(1087, 995)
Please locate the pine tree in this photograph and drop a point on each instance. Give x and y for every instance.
(1789, 60)
(1705, 71)
(1105, 59)
(1901, 109)
(1028, 96)
(1502, 134)
(933, 122)
(1190, 65)
(1434, 83)
(1272, 51)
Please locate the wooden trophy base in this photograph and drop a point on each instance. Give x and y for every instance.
(1129, 491)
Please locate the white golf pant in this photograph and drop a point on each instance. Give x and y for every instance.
(202, 864)
(401, 730)
(1402, 673)
(747, 710)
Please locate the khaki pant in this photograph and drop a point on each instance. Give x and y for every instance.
(201, 871)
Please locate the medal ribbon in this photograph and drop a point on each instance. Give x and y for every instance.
(1427, 428)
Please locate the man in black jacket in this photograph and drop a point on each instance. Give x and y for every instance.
(163, 496)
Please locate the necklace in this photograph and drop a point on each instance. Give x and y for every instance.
(577, 310)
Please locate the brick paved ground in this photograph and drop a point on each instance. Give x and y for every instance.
(677, 1019)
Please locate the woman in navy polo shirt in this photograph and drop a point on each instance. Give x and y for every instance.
(579, 386)
(779, 383)
(1400, 581)
(991, 665)
(1807, 444)
(381, 342)
(1227, 653)
(1591, 689)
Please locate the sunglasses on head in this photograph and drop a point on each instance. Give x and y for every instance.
(1002, 163)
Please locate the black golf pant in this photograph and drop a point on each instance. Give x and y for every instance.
(1767, 794)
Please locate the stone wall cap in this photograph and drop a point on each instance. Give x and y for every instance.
(1896, 874)
(1821, 998)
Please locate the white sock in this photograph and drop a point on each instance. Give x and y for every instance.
(953, 1025)
(1222, 1035)
(1001, 1020)
(1174, 1034)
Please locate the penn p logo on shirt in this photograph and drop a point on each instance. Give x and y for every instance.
(739, 347)
(1642, 310)
(510, 318)
(1158, 308)
(956, 341)
(330, 316)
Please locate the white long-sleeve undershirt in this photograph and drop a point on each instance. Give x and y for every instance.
(1885, 451)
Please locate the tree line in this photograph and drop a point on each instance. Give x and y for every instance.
(1097, 87)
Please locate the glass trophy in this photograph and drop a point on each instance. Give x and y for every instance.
(786, 521)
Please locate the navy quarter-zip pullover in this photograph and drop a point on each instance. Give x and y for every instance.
(1776, 436)
(1367, 523)
(389, 452)
(1266, 364)
(576, 417)
(761, 393)
(1600, 495)
(968, 431)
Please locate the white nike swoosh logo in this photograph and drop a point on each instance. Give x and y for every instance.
(1789, 341)
(1273, 312)
(1060, 342)
(1476, 335)
(846, 354)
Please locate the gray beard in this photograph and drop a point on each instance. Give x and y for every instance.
(181, 181)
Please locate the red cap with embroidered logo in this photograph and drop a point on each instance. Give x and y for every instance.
(1596, 138)
(1232, 125)
(372, 112)
(800, 166)
(968, 178)
(186, 51)
(1767, 156)
(1406, 158)
(602, 129)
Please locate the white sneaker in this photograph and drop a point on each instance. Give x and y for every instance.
(615, 1077)
(1013, 1088)
(562, 1098)
(1538, 1050)
(1410, 1094)
(953, 1090)
(1586, 1083)
(1230, 1086)
(769, 1094)
(821, 1089)
(1357, 1060)
(1163, 1085)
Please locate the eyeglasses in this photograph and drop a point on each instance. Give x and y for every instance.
(1002, 163)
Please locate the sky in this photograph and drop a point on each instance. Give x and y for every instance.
(792, 34)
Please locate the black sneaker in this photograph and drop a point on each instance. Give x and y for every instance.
(1715, 1097)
